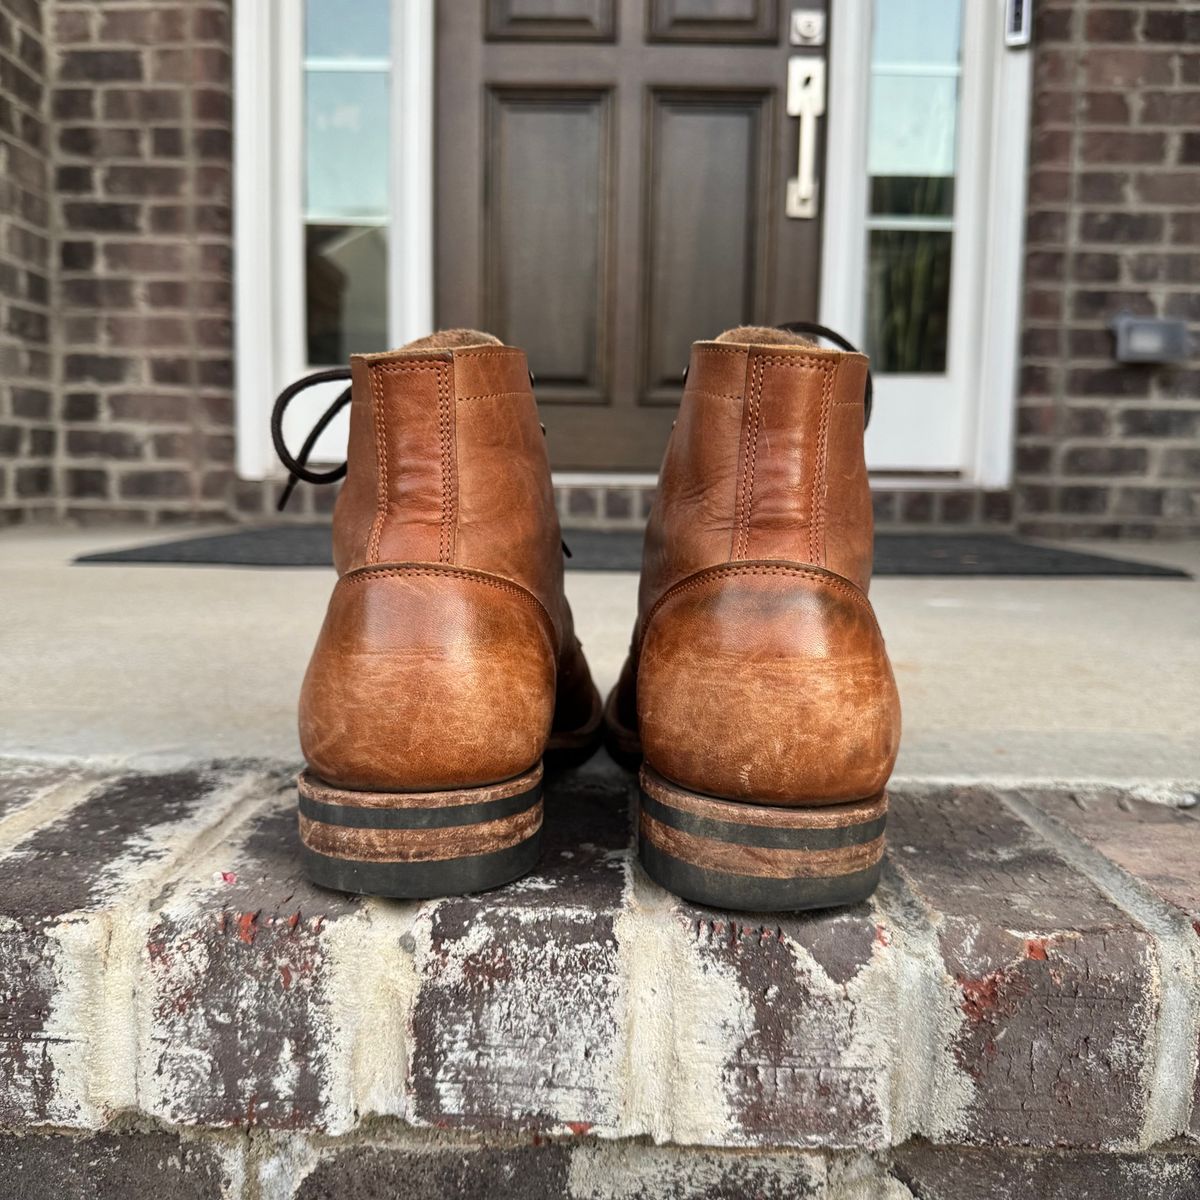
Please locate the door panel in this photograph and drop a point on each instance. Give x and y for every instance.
(554, 20)
(692, 206)
(548, 179)
(714, 20)
(604, 204)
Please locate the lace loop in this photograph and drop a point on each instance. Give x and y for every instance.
(297, 467)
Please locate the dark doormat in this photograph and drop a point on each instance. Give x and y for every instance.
(591, 550)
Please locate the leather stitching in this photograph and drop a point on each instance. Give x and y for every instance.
(745, 423)
(816, 527)
(376, 371)
(435, 570)
(446, 533)
(735, 396)
(807, 362)
(381, 493)
(827, 367)
(492, 396)
(820, 574)
(752, 457)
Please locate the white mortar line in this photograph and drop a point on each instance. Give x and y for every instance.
(372, 987)
(679, 1017)
(929, 1094)
(47, 807)
(101, 957)
(1176, 1030)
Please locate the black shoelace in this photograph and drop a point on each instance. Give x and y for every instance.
(297, 466)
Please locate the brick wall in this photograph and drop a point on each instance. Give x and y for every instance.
(142, 107)
(28, 439)
(1114, 223)
(117, 402)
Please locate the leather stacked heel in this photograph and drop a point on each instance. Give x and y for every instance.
(735, 854)
(413, 845)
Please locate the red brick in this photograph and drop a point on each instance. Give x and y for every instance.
(1170, 108)
(161, 258)
(1119, 146)
(57, 1166)
(1080, 420)
(936, 1173)
(143, 26)
(1126, 68)
(1105, 108)
(1174, 28)
(157, 485)
(1104, 460)
(1111, 25)
(142, 104)
(1053, 979)
(101, 66)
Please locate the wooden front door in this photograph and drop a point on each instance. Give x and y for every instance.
(611, 179)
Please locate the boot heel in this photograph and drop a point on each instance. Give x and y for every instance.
(413, 845)
(757, 857)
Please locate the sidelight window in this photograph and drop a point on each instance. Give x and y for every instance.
(912, 136)
(347, 76)
(334, 179)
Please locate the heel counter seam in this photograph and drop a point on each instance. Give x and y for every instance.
(394, 570)
(829, 578)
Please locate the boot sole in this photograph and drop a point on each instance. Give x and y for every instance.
(417, 845)
(756, 857)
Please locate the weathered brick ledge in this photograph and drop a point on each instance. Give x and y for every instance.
(1028, 976)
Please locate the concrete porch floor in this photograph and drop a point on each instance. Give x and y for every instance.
(1002, 680)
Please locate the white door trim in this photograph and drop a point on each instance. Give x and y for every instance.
(268, 206)
(410, 245)
(994, 123)
(254, 215)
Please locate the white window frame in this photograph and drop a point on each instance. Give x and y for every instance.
(269, 335)
(988, 252)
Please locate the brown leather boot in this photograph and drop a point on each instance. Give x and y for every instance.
(448, 665)
(758, 688)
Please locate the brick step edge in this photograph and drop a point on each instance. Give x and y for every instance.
(1028, 974)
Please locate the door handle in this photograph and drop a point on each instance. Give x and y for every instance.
(806, 100)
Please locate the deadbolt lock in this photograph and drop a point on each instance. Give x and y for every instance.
(807, 27)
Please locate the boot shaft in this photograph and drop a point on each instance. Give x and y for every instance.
(765, 463)
(447, 464)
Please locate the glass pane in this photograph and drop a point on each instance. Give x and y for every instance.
(917, 31)
(346, 292)
(911, 161)
(912, 196)
(346, 159)
(346, 28)
(913, 124)
(908, 300)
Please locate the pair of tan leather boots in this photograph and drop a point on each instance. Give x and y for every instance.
(447, 677)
